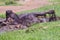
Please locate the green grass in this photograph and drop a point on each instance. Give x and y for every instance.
(55, 0)
(2, 0)
(8, 3)
(2, 15)
(5, 0)
(35, 32)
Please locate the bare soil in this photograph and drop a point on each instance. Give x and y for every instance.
(32, 4)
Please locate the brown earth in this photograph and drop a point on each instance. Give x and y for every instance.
(32, 4)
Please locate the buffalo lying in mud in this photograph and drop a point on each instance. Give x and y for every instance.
(28, 19)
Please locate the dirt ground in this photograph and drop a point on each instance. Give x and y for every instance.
(27, 6)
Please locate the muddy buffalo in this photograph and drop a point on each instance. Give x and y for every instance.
(29, 19)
